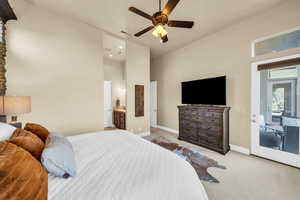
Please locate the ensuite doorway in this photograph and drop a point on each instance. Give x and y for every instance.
(114, 61)
(276, 110)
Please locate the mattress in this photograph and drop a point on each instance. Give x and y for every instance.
(118, 165)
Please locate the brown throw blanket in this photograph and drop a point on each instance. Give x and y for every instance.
(22, 177)
(28, 141)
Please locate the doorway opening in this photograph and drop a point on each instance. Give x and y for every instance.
(114, 82)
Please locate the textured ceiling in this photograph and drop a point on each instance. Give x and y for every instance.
(113, 16)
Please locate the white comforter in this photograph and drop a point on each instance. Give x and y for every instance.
(117, 165)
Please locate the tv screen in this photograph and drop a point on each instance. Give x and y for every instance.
(210, 91)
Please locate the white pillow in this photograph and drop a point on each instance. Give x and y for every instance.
(6, 131)
(58, 157)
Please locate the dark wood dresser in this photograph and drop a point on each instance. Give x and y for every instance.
(207, 126)
(119, 117)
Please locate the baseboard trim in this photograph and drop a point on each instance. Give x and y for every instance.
(168, 129)
(239, 149)
(232, 146)
(144, 134)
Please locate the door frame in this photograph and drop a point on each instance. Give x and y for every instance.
(151, 85)
(110, 122)
(256, 149)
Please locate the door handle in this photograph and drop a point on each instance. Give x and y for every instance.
(254, 121)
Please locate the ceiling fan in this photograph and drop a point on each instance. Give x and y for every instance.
(160, 19)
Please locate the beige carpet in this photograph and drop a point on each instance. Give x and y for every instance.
(246, 177)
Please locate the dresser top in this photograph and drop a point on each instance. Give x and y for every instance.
(203, 106)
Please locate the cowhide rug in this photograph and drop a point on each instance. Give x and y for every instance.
(200, 162)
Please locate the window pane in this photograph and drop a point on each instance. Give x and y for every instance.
(283, 73)
(278, 99)
(279, 43)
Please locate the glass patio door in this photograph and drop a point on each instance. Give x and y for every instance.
(275, 119)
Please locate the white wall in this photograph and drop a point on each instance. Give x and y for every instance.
(137, 72)
(59, 63)
(227, 52)
(114, 72)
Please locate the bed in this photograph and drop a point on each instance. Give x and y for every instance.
(118, 165)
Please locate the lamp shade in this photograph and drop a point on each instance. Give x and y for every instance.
(14, 105)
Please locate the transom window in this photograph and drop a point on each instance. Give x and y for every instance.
(280, 42)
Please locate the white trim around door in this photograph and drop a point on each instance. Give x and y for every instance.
(108, 104)
(153, 104)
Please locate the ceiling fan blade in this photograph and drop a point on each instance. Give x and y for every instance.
(170, 6)
(181, 24)
(143, 31)
(165, 39)
(139, 12)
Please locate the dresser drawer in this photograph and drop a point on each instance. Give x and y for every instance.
(203, 117)
(211, 126)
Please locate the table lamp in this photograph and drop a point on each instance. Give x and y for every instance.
(15, 105)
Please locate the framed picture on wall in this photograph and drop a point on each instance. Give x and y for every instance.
(139, 100)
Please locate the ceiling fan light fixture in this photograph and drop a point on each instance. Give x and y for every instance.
(160, 19)
(159, 31)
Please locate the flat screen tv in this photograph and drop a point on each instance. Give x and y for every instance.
(211, 91)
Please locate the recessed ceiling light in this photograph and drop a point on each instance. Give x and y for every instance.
(110, 55)
(121, 47)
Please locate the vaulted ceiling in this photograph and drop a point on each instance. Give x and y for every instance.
(113, 16)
